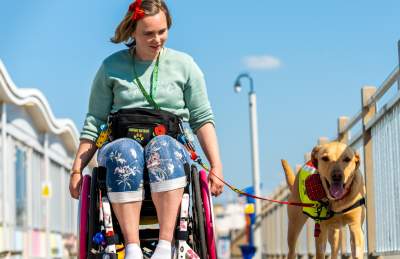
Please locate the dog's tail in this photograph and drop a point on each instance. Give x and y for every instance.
(289, 174)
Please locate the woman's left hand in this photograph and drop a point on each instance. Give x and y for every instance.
(208, 141)
(216, 186)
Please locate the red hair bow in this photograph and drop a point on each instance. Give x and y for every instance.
(138, 13)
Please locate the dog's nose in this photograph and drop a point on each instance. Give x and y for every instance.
(337, 175)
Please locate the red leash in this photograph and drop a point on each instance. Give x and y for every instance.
(238, 191)
(190, 147)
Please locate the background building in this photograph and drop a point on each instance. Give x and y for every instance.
(37, 215)
(229, 220)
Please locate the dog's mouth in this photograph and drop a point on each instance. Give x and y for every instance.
(336, 189)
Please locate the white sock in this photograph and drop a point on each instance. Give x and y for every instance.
(163, 250)
(133, 251)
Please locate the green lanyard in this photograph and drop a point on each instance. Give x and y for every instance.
(149, 97)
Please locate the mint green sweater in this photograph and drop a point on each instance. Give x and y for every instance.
(180, 89)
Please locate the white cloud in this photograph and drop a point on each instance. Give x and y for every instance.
(264, 62)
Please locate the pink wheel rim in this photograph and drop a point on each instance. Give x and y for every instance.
(209, 224)
(83, 216)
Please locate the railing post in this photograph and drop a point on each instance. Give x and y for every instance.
(343, 137)
(323, 140)
(398, 52)
(282, 212)
(309, 226)
(367, 113)
(307, 157)
(310, 238)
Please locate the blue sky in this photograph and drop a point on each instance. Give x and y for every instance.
(308, 59)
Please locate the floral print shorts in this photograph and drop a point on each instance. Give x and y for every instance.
(164, 157)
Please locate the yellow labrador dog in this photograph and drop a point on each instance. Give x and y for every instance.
(338, 166)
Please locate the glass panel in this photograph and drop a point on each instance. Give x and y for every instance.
(37, 200)
(56, 216)
(68, 201)
(20, 187)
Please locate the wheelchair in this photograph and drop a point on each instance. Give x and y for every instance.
(99, 235)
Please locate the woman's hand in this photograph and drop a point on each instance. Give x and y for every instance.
(208, 141)
(216, 185)
(85, 152)
(75, 181)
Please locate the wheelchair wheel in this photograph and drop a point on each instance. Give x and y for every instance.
(199, 238)
(208, 215)
(83, 217)
(93, 225)
(89, 221)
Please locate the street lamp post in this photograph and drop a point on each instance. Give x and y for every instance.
(255, 155)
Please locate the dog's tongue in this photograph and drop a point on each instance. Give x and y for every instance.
(336, 190)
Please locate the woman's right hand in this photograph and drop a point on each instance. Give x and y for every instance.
(85, 152)
(75, 181)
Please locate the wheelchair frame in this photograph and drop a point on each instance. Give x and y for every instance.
(100, 235)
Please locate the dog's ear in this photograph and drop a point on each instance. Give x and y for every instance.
(357, 159)
(314, 155)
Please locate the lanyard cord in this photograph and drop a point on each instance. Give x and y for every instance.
(153, 86)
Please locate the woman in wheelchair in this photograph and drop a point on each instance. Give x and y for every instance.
(136, 97)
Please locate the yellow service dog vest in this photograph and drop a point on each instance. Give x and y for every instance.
(319, 211)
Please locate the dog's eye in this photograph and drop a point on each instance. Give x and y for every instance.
(325, 158)
(347, 159)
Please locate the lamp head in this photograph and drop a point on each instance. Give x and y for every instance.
(237, 86)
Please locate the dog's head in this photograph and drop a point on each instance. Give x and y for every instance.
(336, 164)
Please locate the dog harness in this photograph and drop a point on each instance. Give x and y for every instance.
(320, 211)
(311, 191)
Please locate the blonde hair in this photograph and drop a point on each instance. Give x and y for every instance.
(125, 29)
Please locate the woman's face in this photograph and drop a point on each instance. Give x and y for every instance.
(150, 35)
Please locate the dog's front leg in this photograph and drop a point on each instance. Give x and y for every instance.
(320, 242)
(333, 237)
(296, 220)
(356, 240)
